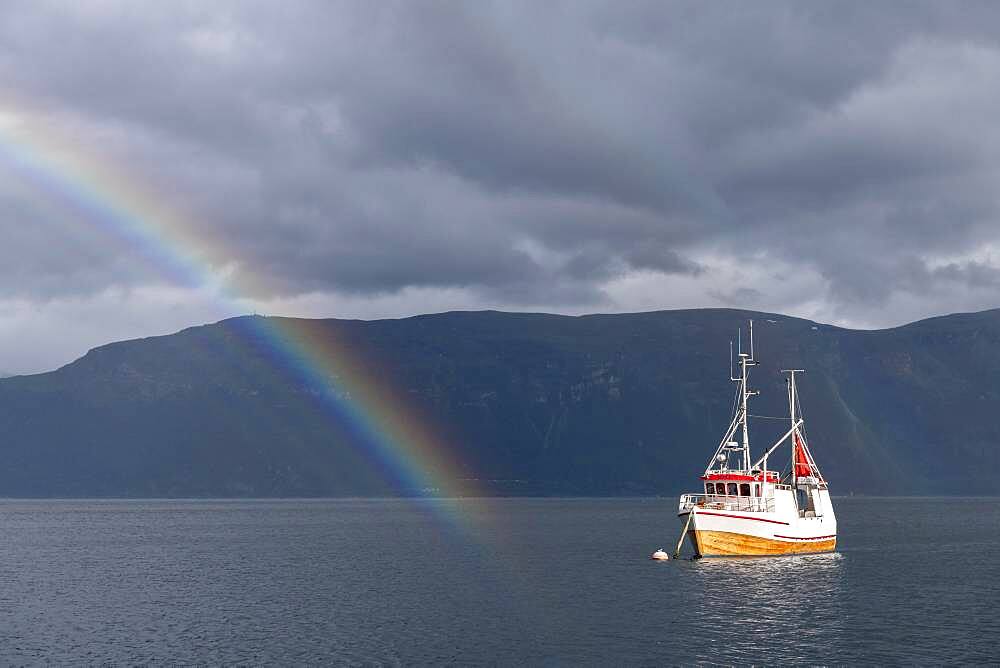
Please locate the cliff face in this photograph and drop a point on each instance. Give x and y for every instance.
(537, 404)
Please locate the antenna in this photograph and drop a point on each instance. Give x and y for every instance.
(791, 385)
(752, 358)
(739, 340)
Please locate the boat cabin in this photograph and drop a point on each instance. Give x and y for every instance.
(738, 484)
(732, 489)
(756, 492)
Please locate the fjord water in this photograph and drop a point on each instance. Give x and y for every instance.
(508, 581)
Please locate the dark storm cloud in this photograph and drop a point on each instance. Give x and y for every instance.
(533, 152)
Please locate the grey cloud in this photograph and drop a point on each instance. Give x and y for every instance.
(662, 260)
(739, 297)
(531, 153)
(974, 274)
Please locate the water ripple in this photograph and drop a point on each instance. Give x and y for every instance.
(549, 582)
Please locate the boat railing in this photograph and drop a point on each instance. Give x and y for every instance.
(748, 504)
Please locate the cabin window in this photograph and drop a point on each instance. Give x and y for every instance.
(709, 488)
(756, 490)
(745, 489)
(732, 489)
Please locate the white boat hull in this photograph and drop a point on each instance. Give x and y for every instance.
(724, 532)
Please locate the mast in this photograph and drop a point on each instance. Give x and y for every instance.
(746, 360)
(791, 412)
(743, 408)
(739, 421)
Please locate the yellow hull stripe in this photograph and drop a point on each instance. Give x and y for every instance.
(725, 543)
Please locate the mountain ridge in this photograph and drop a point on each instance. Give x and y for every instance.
(537, 403)
(751, 313)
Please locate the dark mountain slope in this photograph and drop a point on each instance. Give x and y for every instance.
(537, 404)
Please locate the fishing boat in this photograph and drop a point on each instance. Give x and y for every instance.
(748, 509)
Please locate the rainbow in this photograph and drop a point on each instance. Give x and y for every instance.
(394, 434)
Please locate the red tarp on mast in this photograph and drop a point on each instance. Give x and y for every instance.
(802, 468)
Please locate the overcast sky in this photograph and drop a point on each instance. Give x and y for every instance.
(837, 161)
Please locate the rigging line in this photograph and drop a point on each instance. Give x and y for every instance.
(732, 410)
(769, 417)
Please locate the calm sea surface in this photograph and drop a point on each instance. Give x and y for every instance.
(505, 581)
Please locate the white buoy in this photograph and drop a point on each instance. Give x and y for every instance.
(659, 555)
